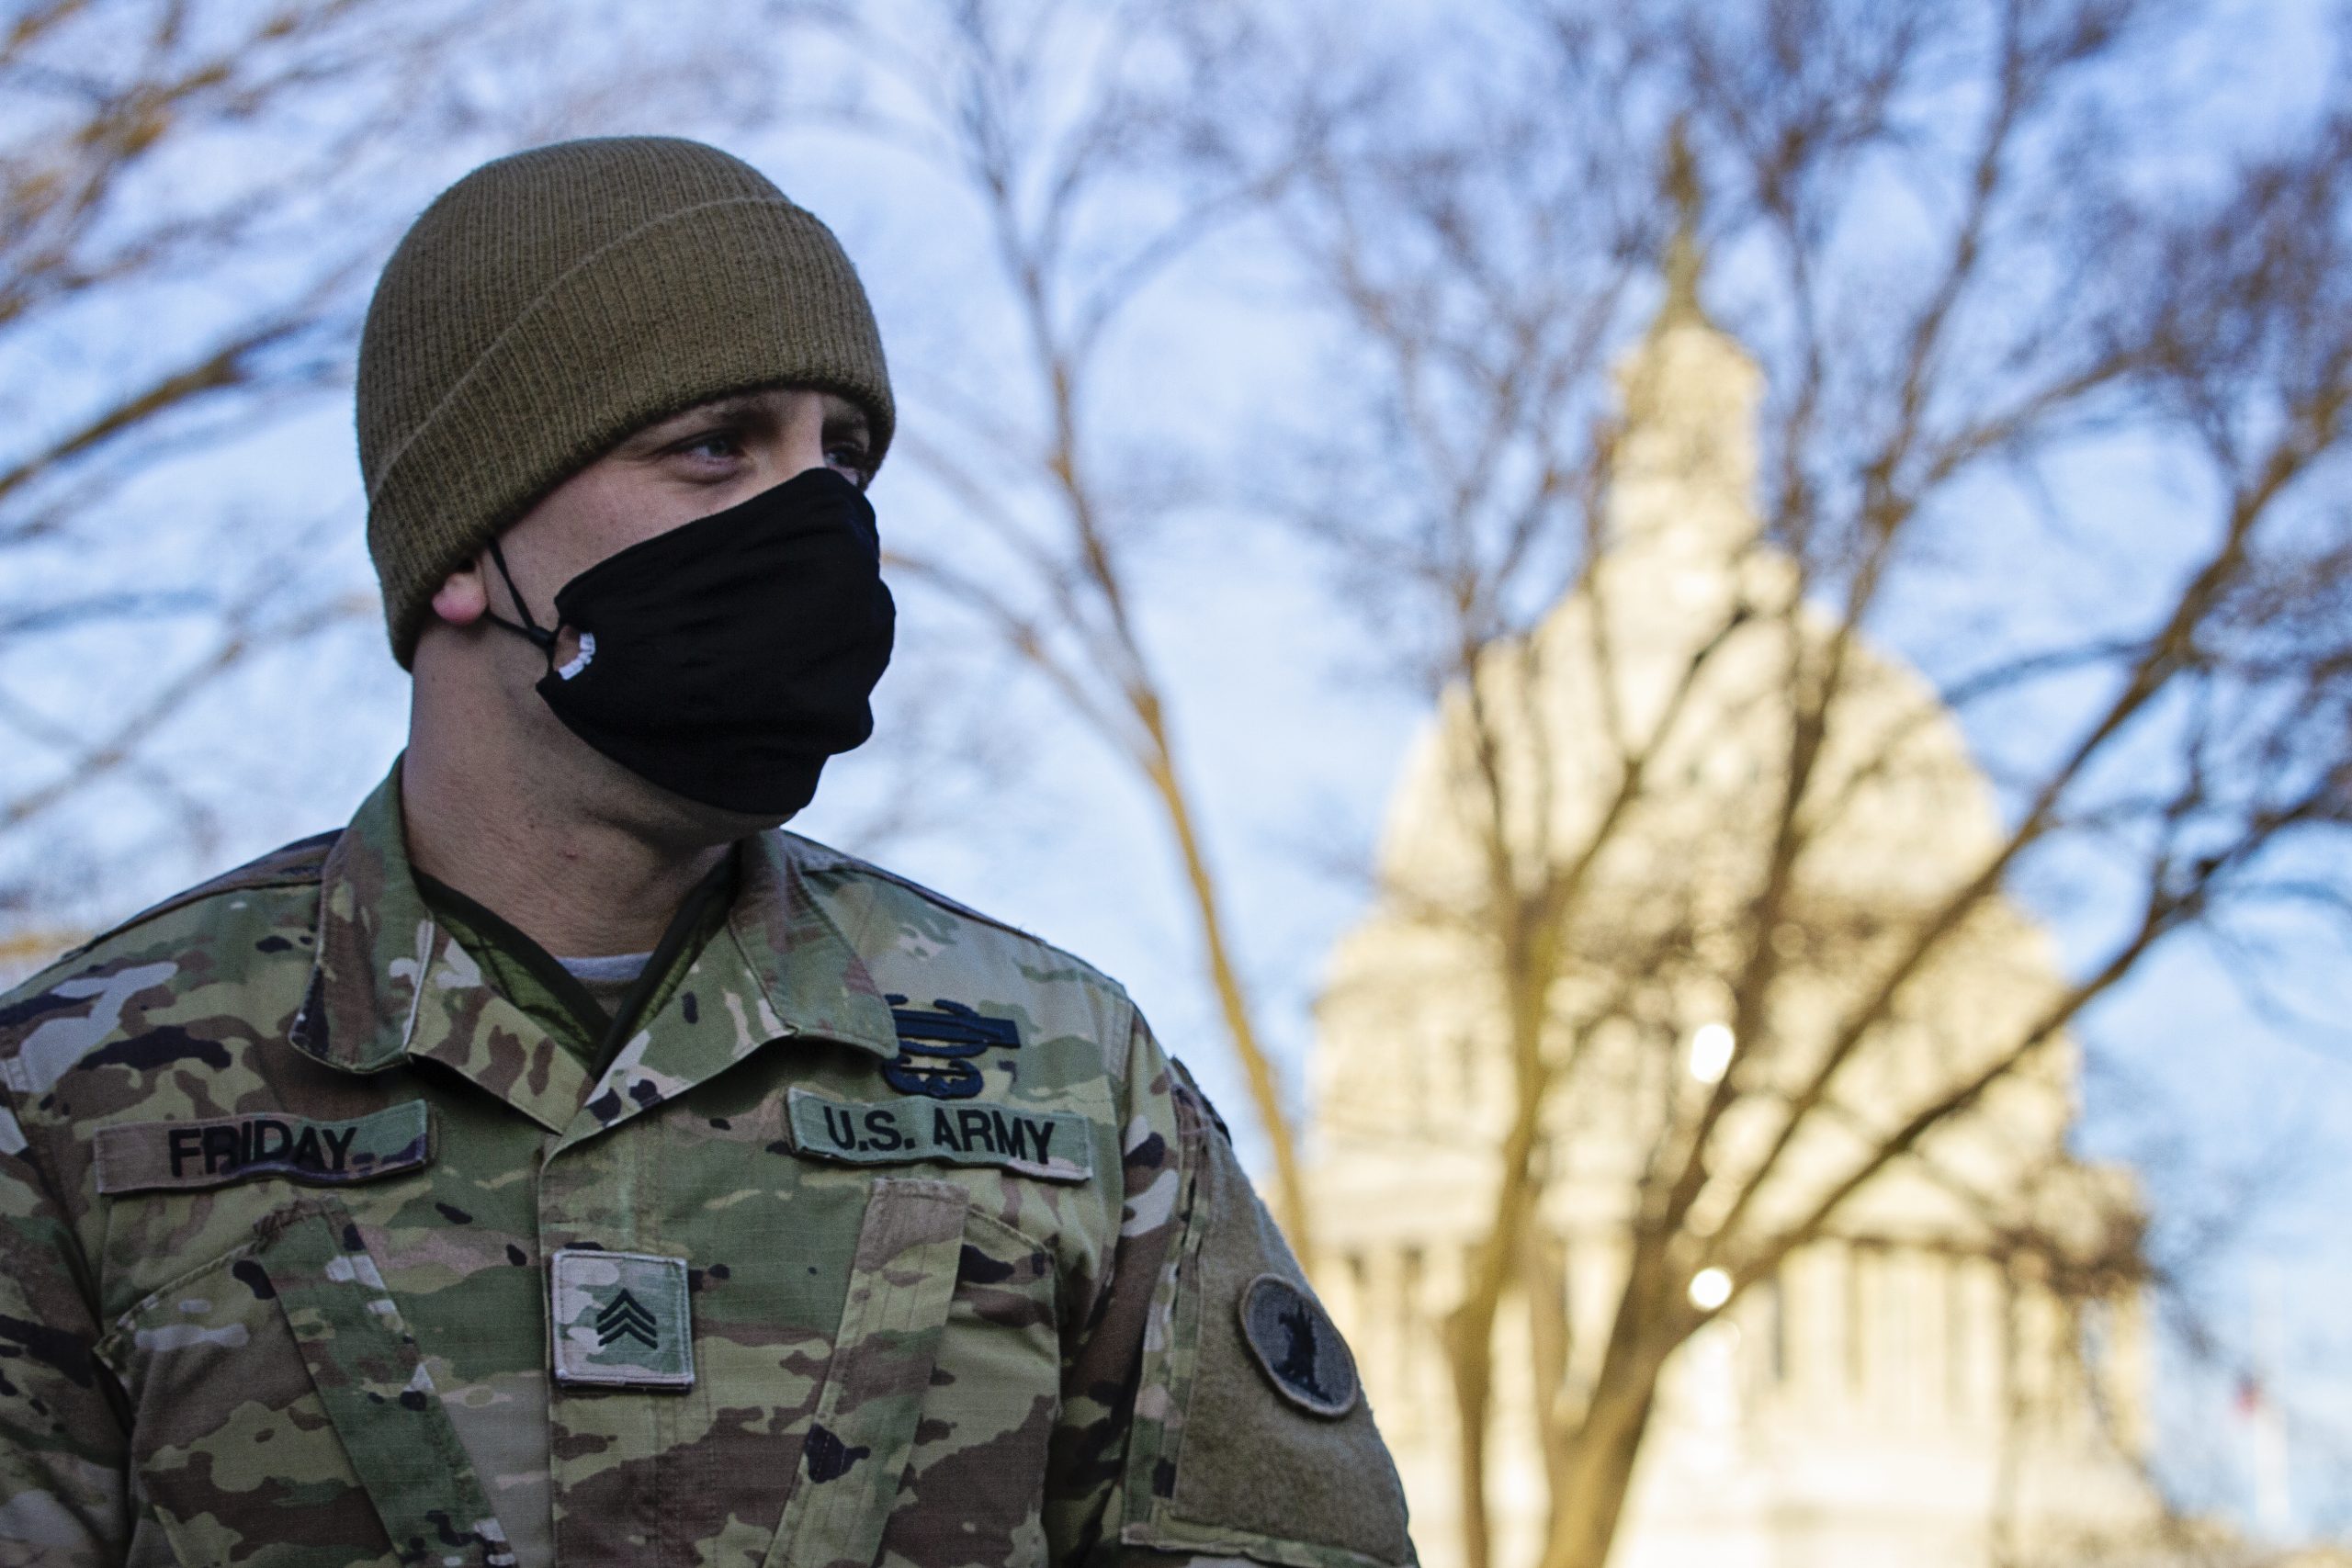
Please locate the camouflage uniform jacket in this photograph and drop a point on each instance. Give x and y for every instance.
(891, 1236)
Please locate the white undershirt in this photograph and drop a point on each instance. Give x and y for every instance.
(609, 979)
(621, 966)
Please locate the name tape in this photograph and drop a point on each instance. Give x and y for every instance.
(1051, 1144)
(139, 1157)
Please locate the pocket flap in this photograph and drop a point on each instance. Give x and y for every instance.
(278, 1405)
(382, 1403)
(900, 1281)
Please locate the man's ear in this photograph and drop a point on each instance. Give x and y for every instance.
(463, 597)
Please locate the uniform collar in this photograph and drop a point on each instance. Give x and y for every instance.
(391, 985)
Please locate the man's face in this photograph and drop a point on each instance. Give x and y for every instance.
(703, 461)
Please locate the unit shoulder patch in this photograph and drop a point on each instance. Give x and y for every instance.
(1298, 1347)
(1251, 1437)
(138, 1157)
(1050, 1145)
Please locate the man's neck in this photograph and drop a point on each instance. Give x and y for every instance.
(578, 886)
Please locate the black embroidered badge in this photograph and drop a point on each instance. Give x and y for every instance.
(1298, 1347)
(935, 1048)
(626, 1318)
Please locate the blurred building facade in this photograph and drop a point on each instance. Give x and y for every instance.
(1910, 1389)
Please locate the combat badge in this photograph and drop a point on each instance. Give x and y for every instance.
(935, 1048)
(621, 1320)
(1298, 1347)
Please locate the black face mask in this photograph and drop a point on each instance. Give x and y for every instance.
(727, 659)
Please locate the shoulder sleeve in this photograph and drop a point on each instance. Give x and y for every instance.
(1238, 1428)
(63, 1497)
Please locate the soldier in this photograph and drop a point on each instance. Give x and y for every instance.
(560, 1163)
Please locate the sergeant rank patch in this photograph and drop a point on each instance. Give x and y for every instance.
(1298, 1347)
(1047, 1143)
(621, 1320)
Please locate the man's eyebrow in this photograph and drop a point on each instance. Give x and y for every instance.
(719, 408)
(662, 429)
(842, 417)
(845, 415)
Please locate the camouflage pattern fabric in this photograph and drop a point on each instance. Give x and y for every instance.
(942, 1339)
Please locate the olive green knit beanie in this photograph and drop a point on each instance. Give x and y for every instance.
(550, 303)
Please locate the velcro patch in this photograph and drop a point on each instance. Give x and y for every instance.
(622, 1320)
(1048, 1144)
(138, 1157)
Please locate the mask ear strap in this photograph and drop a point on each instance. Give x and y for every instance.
(530, 631)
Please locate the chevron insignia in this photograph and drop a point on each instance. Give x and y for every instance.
(622, 1320)
(627, 1319)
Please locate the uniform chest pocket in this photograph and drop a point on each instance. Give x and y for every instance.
(281, 1417)
(884, 1356)
(939, 1395)
(976, 1478)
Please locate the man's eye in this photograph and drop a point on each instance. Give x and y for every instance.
(851, 458)
(717, 443)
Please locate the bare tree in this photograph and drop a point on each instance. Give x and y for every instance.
(1061, 129)
(1924, 243)
(193, 197)
(162, 161)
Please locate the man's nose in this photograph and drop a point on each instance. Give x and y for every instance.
(793, 454)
